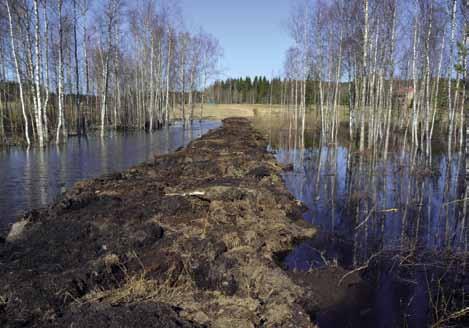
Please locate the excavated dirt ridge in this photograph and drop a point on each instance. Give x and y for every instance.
(189, 240)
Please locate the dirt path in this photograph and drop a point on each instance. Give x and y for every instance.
(186, 241)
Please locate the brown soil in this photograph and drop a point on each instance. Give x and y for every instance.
(186, 241)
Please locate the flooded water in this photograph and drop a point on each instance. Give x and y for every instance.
(33, 178)
(403, 221)
(385, 205)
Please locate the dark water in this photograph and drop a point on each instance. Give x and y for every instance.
(404, 220)
(33, 178)
(397, 206)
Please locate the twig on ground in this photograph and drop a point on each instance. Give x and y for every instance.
(367, 218)
(184, 194)
(361, 268)
(455, 315)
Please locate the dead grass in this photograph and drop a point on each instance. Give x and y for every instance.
(222, 111)
(138, 287)
(3, 300)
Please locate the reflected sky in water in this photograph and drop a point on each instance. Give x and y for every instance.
(33, 178)
(391, 204)
(364, 206)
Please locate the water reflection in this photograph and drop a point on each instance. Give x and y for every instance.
(33, 178)
(400, 203)
(409, 211)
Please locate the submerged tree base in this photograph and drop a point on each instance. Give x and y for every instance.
(186, 241)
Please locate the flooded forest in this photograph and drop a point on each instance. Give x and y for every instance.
(368, 118)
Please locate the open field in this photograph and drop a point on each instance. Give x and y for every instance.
(222, 111)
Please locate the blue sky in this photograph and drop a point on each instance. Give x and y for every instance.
(252, 32)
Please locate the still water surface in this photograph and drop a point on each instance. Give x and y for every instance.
(34, 178)
(403, 220)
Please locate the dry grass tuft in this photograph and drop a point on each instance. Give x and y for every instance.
(3, 300)
(137, 288)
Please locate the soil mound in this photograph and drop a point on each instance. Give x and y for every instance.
(188, 240)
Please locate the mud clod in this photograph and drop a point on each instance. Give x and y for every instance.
(260, 172)
(125, 316)
(188, 240)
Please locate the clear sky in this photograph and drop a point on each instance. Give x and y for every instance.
(252, 32)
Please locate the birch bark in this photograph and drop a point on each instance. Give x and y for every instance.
(18, 75)
(37, 72)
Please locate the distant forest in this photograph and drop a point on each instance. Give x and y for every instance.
(260, 90)
(257, 90)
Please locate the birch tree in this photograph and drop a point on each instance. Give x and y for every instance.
(37, 73)
(108, 27)
(18, 74)
(451, 110)
(466, 102)
(129, 69)
(364, 78)
(60, 69)
(393, 9)
(80, 119)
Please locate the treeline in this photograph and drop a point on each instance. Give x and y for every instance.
(260, 90)
(374, 45)
(257, 90)
(68, 66)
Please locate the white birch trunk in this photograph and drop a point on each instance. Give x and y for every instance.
(46, 97)
(466, 101)
(414, 82)
(336, 91)
(427, 82)
(365, 59)
(151, 109)
(61, 76)
(451, 110)
(105, 75)
(18, 75)
(437, 88)
(168, 70)
(37, 70)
